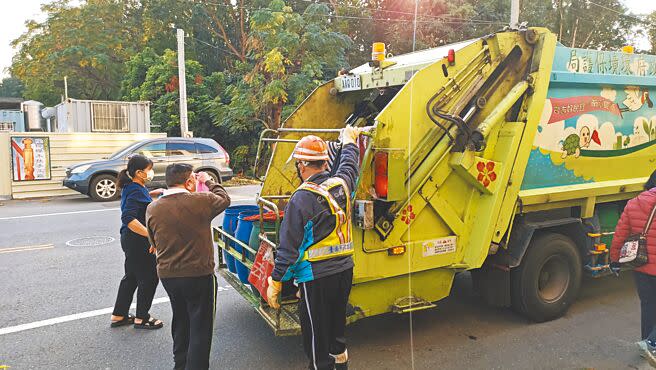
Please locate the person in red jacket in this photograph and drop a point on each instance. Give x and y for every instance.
(633, 221)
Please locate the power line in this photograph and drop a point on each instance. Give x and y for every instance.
(441, 16)
(622, 14)
(211, 45)
(449, 20)
(400, 20)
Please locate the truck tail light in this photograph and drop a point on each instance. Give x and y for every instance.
(451, 57)
(380, 174)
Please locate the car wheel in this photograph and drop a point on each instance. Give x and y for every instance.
(548, 279)
(104, 188)
(214, 176)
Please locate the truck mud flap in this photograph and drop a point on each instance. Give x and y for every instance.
(523, 233)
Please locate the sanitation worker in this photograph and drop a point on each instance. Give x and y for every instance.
(316, 247)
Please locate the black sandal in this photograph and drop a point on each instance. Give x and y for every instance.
(149, 324)
(126, 320)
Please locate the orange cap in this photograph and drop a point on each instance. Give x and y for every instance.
(311, 148)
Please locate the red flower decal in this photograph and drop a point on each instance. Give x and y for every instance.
(407, 215)
(486, 174)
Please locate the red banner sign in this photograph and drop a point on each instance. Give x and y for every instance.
(564, 108)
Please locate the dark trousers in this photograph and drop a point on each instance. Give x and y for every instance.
(140, 275)
(646, 286)
(193, 300)
(322, 310)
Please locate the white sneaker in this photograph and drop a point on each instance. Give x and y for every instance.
(650, 354)
(642, 346)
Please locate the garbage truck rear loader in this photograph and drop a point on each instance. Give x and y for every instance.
(509, 156)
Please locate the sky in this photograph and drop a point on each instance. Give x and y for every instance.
(15, 13)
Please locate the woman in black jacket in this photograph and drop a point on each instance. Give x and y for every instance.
(140, 264)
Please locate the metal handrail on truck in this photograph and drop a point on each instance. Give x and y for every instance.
(284, 321)
(281, 130)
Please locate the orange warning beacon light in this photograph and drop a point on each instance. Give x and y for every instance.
(378, 52)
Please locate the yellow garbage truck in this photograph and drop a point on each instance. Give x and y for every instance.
(510, 156)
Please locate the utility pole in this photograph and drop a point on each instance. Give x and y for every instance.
(66, 88)
(182, 85)
(514, 14)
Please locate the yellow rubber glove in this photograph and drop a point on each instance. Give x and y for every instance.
(273, 291)
(350, 134)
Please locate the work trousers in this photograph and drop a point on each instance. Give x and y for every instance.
(140, 275)
(193, 300)
(322, 310)
(646, 286)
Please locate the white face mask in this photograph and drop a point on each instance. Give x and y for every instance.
(150, 175)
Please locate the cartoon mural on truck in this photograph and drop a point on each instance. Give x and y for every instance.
(582, 123)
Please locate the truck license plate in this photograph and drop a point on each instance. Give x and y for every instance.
(350, 83)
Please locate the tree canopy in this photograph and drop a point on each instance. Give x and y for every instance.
(251, 62)
(11, 87)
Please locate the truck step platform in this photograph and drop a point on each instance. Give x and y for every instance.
(411, 304)
(284, 321)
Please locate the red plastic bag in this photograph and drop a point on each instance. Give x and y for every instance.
(262, 268)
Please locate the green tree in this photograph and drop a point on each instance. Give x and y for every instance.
(160, 18)
(651, 31)
(290, 54)
(603, 24)
(135, 74)
(89, 43)
(11, 87)
(439, 22)
(154, 78)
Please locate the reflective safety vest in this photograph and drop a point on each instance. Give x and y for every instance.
(339, 242)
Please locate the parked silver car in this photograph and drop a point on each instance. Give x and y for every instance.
(98, 179)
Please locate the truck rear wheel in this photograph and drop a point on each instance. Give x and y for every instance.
(547, 281)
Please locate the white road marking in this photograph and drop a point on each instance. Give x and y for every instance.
(82, 315)
(59, 214)
(26, 248)
(234, 198)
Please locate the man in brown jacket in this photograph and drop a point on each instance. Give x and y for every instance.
(179, 226)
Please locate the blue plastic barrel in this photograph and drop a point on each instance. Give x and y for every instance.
(230, 219)
(243, 234)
